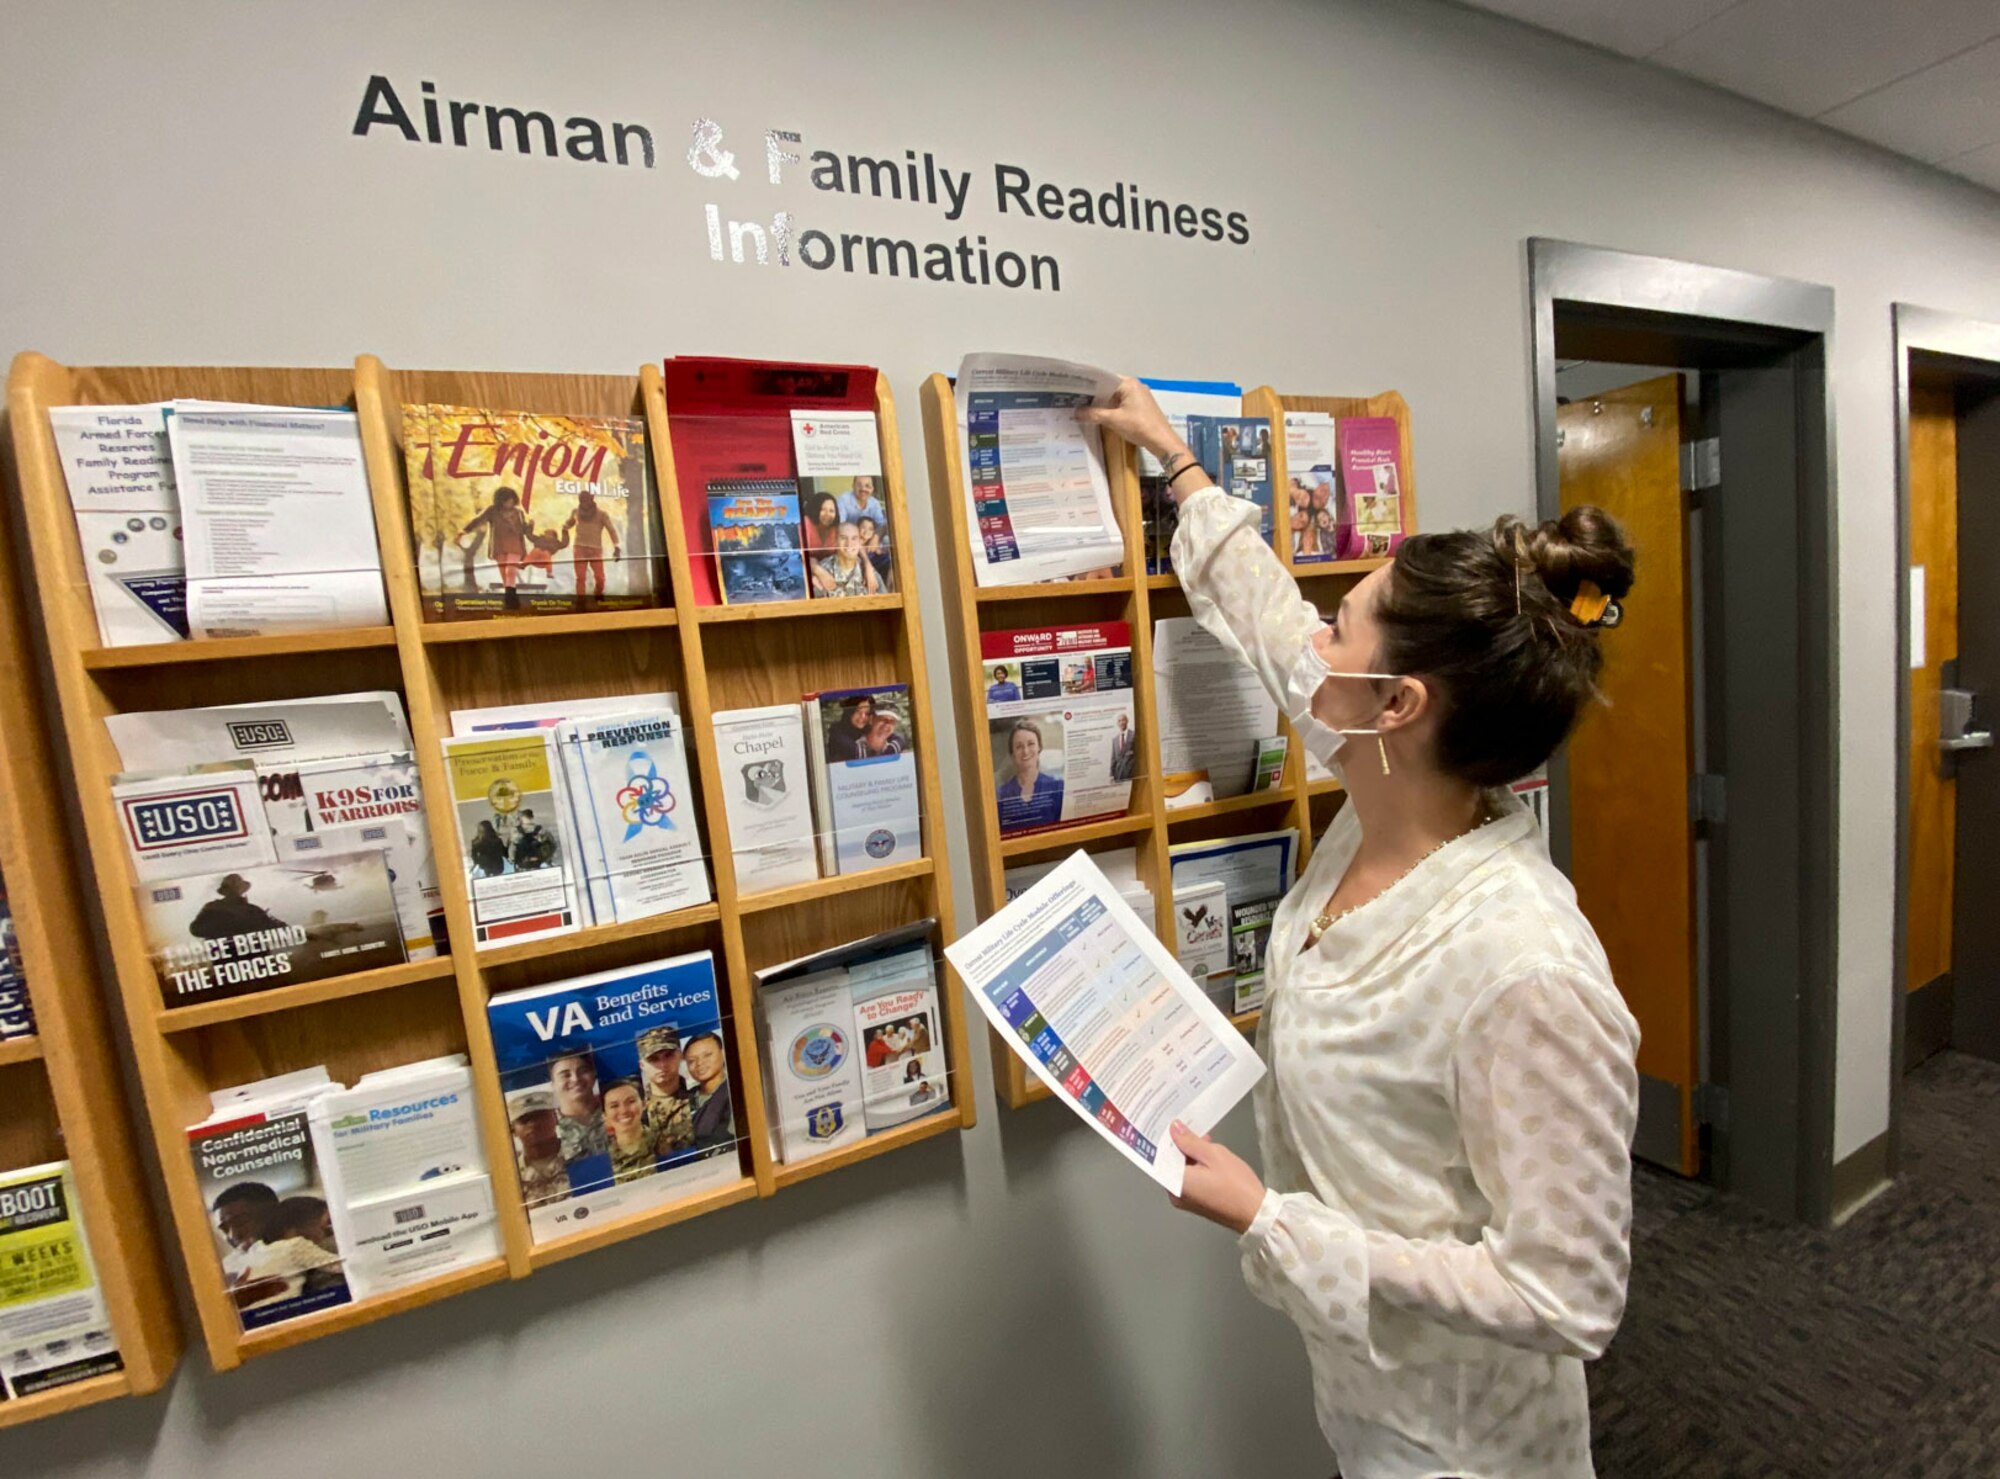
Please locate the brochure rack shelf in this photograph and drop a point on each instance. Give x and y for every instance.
(287, 998)
(61, 1092)
(406, 1013)
(224, 649)
(1132, 596)
(20, 1050)
(549, 626)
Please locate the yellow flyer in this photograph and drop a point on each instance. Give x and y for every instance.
(53, 1326)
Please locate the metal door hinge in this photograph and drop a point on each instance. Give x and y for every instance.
(1701, 464)
(1711, 1106)
(1708, 801)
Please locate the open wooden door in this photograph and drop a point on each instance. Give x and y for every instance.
(1631, 837)
(1933, 787)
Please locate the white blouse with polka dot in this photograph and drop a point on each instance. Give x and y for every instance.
(1447, 1120)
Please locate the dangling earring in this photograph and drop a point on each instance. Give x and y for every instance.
(1382, 747)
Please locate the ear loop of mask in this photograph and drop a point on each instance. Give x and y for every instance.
(1323, 741)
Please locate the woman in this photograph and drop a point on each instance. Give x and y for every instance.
(822, 528)
(506, 530)
(1448, 1115)
(633, 1153)
(1028, 798)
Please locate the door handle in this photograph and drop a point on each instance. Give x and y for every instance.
(1956, 736)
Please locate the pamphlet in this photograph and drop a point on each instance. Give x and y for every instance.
(753, 530)
(1060, 723)
(1104, 1015)
(1236, 452)
(767, 794)
(128, 519)
(280, 528)
(1371, 485)
(512, 839)
(1201, 936)
(864, 771)
(289, 729)
(813, 1038)
(179, 824)
(637, 826)
(260, 1177)
(1160, 513)
(836, 443)
(54, 1329)
(1215, 715)
(357, 803)
(1251, 875)
(405, 1176)
(1310, 458)
(1039, 500)
(617, 1087)
(228, 933)
(901, 1037)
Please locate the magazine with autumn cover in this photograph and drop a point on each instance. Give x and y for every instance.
(515, 513)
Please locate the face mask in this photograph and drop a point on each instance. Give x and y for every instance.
(1322, 740)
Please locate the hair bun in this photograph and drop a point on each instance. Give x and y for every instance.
(1585, 544)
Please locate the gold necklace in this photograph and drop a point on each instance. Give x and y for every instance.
(1327, 917)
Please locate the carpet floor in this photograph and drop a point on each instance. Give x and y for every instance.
(1753, 1348)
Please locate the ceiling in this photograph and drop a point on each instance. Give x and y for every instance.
(1921, 77)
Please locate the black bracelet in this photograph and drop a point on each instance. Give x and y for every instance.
(1174, 476)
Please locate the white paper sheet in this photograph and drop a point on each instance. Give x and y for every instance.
(280, 530)
(1214, 714)
(1039, 504)
(1103, 1014)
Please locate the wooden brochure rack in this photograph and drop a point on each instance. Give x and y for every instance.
(715, 657)
(61, 1093)
(1138, 599)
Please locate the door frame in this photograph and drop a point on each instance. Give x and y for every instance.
(1655, 310)
(1971, 347)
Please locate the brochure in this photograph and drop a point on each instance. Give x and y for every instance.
(54, 1328)
(260, 1177)
(1371, 486)
(233, 932)
(1060, 724)
(1105, 1017)
(767, 793)
(120, 475)
(864, 766)
(280, 528)
(1160, 513)
(637, 825)
(753, 530)
(1039, 502)
(513, 842)
(617, 1087)
(405, 1175)
(1314, 510)
(1215, 714)
(179, 824)
(289, 729)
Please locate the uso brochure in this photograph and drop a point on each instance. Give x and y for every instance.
(1104, 1015)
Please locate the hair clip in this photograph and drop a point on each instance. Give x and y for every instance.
(1591, 606)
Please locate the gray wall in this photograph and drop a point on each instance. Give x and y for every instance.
(184, 188)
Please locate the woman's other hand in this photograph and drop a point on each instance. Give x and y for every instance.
(1135, 417)
(1218, 1183)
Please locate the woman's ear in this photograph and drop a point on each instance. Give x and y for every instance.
(1408, 702)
